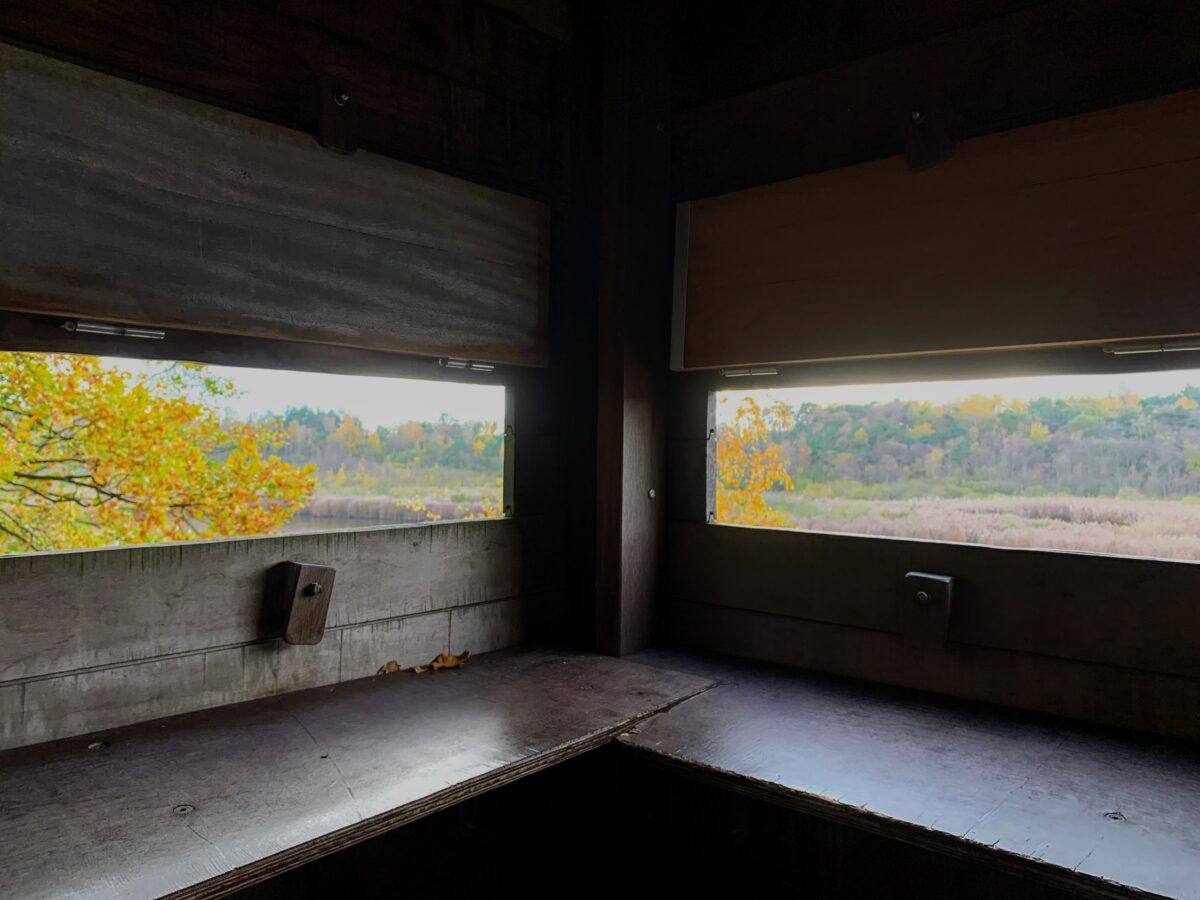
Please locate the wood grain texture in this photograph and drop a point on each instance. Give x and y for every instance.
(1078, 230)
(484, 627)
(1119, 611)
(733, 835)
(74, 703)
(1111, 695)
(484, 841)
(359, 759)
(123, 202)
(551, 17)
(1038, 62)
(87, 609)
(683, 836)
(470, 42)
(1034, 798)
(302, 592)
(724, 49)
(634, 321)
(249, 57)
(63, 705)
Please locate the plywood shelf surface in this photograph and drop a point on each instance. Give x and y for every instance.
(1098, 812)
(201, 804)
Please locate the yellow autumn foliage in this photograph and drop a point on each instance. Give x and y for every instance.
(749, 465)
(92, 456)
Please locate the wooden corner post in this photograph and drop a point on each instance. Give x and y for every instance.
(634, 338)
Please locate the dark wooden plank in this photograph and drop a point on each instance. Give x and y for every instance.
(730, 48)
(732, 837)
(1051, 59)
(1051, 803)
(687, 469)
(470, 42)
(1077, 230)
(1111, 695)
(634, 326)
(570, 409)
(484, 841)
(302, 592)
(551, 17)
(272, 784)
(256, 60)
(123, 202)
(66, 704)
(1122, 611)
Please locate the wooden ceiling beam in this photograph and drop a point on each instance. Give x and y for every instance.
(1037, 63)
(242, 56)
(723, 48)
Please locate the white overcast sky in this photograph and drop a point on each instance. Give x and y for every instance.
(374, 401)
(1145, 384)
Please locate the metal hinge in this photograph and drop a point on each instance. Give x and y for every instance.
(749, 370)
(113, 329)
(1129, 348)
(448, 362)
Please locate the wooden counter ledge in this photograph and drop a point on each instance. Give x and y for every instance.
(202, 804)
(1089, 811)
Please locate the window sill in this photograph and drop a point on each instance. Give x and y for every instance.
(1087, 810)
(203, 804)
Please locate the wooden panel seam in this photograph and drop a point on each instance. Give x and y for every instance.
(1119, 611)
(331, 632)
(1123, 697)
(383, 572)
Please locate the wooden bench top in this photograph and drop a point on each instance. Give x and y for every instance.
(202, 804)
(1094, 811)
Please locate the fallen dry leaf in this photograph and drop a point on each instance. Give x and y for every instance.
(445, 661)
(450, 661)
(388, 667)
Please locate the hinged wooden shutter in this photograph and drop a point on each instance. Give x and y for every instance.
(122, 202)
(1084, 229)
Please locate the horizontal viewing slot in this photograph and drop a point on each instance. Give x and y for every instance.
(1102, 463)
(103, 451)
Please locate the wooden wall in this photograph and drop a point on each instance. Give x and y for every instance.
(768, 90)
(101, 638)
(1105, 639)
(499, 94)
(635, 230)
(455, 85)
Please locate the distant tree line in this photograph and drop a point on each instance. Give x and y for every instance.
(356, 459)
(1127, 446)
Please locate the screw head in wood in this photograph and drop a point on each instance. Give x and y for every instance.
(314, 589)
(923, 597)
(341, 98)
(651, 493)
(917, 116)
